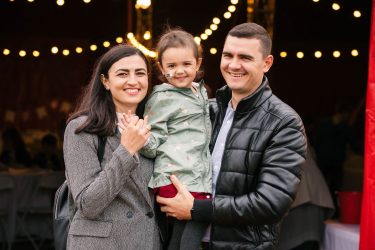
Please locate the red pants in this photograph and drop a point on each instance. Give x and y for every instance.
(170, 191)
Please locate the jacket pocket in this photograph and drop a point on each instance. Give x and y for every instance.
(83, 227)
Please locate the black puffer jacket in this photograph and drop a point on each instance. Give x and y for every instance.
(260, 171)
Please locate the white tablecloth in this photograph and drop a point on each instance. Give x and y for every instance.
(340, 236)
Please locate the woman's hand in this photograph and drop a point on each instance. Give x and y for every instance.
(135, 133)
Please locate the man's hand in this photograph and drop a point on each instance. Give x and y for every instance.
(180, 205)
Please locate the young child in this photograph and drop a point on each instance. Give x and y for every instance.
(180, 130)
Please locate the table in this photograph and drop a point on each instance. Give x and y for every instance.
(24, 195)
(339, 236)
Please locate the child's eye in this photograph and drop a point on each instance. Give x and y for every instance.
(170, 66)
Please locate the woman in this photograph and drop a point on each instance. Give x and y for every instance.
(114, 208)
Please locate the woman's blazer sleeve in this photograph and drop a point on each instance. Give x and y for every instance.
(94, 187)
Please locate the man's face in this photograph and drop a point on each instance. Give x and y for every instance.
(243, 65)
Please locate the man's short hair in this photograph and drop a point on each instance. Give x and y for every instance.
(253, 30)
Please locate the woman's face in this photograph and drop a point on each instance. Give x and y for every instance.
(128, 82)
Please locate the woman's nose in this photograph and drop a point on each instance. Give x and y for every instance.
(132, 79)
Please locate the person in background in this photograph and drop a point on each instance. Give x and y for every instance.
(49, 157)
(303, 227)
(258, 149)
(14, 152)
(114, 207)
(334, 137)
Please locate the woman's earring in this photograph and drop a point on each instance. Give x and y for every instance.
(106, 87)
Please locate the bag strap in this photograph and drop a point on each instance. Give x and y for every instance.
(101, 146)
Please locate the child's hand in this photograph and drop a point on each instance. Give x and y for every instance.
(125, 118)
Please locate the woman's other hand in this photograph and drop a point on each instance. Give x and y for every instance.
(135, 134)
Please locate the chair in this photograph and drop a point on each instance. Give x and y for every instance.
(6, 190)
(40, 206)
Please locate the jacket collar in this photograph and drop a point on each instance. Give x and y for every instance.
(224, 95)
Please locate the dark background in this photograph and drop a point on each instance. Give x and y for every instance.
(311, 86)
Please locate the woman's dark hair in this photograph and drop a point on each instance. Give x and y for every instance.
(96, 102)
(178, 38)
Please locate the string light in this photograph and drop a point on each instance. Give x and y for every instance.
(119, 39)
(143, 4)
(147, 35)
(300, 54)
(283, 54)
(227, 15)
(318, 54)
(336, 54)
(204, 36)
(208, 32)
(197, 40)
(36, 53)
(146, 3)
(213, 26)
(138, 45)
(79, 50)
(232, 8)
(354, 52)
(93, 47)
(60, 2)
(216, 20)
(335, 6)
(54, 50)
(22, 53)
(213, 51)
(6, 52)
(66, 52)
(357, 14)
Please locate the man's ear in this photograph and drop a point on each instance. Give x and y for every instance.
(268, 61)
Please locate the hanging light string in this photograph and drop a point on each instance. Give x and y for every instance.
(212, 27)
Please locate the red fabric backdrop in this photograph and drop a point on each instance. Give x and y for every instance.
(367, 239)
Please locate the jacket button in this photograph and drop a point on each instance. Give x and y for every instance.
(150, 214)
(129, 214)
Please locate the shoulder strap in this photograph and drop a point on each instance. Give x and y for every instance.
(101, 146)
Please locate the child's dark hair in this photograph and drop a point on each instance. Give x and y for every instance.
(178, 38)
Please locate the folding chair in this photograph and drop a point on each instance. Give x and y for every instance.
(46, 187)
(6, 192)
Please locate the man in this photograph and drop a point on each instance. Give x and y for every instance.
(259, 148)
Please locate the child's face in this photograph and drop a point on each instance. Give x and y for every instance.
(181, 65)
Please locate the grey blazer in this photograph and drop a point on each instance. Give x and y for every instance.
(115, 209)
